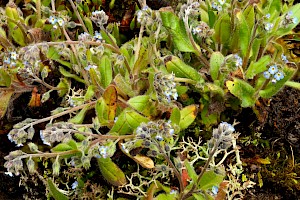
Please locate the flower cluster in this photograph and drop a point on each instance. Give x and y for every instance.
(53, 20)
(165, 87)
(11, 59)
(31, 53)
(158, 130)
(274, 74)
(90, 67)
(190, 8)
(289, 19)
(144, 14)
(202, 30)
(98, 37)
(238, 60)
(218, 5)
(103, 150)
(269, 26)
(149, 18)
(21, 132)
(60, 132)
(84, 37)
(99, 18)
(14, 163)
(13, 167)
(223, 136)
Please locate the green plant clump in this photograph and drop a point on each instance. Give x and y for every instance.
(134, 98)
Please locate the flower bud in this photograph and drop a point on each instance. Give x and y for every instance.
(18, 164)
(30, 132)
(33, 147)
(85, 160)
(30, 165)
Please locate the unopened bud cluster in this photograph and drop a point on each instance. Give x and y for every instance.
(203, 30)
(218, 5)
(14, 164)
(99, 18)
(19, 135)
(60, 132)
(222, 136)
(144, 15)
(156, 136)
(289, 19)
(190, 8)
(165, 87)
(150, 18)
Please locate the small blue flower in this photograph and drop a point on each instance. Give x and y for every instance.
(226, 127)
(238, 61)
(219, 8)
(289, 15)
(273, 80)
(295, 20)
(60, 21)
(173, 191)
(43, 138)
(90, 67)
(267, 74)
(10, 138)
(215, 190)
(159, 138)
(52, 20)
(279, 75)
(269, 26)
(6, 60)
(123, 147)
(75, 185)
(98, 36)
(103, 151)
(174, 93)
(284, 59)
(273, 69)
(171, 131)
(214, 5)
(268, 16)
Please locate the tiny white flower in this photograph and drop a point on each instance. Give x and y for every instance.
(13, 55)
(269, 26)
(222, 2)
(60, 21)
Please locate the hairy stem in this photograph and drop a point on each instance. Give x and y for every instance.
(59, 114)
(78, 16)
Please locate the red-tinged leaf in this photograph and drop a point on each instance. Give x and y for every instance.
(35, 100)
(222, 191)
(185, 177)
